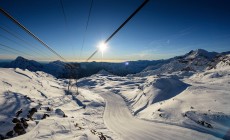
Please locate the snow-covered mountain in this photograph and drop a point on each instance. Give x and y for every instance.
(121, 69)
(198, 101)
(104, 72)
(185, 97)
(58, 69)
(199, 53)
(23, 63)
(194, 61)
(197, 60)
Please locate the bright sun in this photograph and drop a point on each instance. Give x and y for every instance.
(102, 46)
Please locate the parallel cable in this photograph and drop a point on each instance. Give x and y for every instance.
(21, 39)
(86, 28)
(10, 51)
(19, 44)
(63, 12)
(36, 38)
(122, 25)
(14, 49)
(65, 20)
(19, 53)
(31, 34)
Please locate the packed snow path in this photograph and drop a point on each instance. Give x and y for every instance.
(118, 118)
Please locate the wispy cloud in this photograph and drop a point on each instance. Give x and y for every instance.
(150, 54)
(168, 40)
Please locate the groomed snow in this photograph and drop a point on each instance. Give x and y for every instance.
(119, 119)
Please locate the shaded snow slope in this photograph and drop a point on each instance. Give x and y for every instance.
(154, 90)
(57, 114)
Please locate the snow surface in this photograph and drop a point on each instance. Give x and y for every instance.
(25, 90)
(186, 98)
(193, 100)
(119, 119)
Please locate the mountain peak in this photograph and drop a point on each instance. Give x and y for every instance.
(104, 72)
(200, 53)
(20, 58)
(24, 63)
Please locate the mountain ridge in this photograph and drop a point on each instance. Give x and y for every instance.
(195, 60)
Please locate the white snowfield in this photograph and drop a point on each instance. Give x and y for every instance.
(175, 105)
(197, 103)
(118, 118)
(26, 90)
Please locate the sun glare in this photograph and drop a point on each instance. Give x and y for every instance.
(102, 46)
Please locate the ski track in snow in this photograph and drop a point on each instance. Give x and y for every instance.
(118, 118)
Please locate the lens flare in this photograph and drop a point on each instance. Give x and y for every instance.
(102, 46)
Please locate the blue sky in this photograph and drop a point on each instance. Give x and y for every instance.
(162, 29)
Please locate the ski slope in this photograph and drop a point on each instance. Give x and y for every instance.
(191, 102)
(118, 118)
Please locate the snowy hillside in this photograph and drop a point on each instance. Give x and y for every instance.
(199, 102)
(221, 62)
(39, 106)
(186, 97)
(194, 61)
